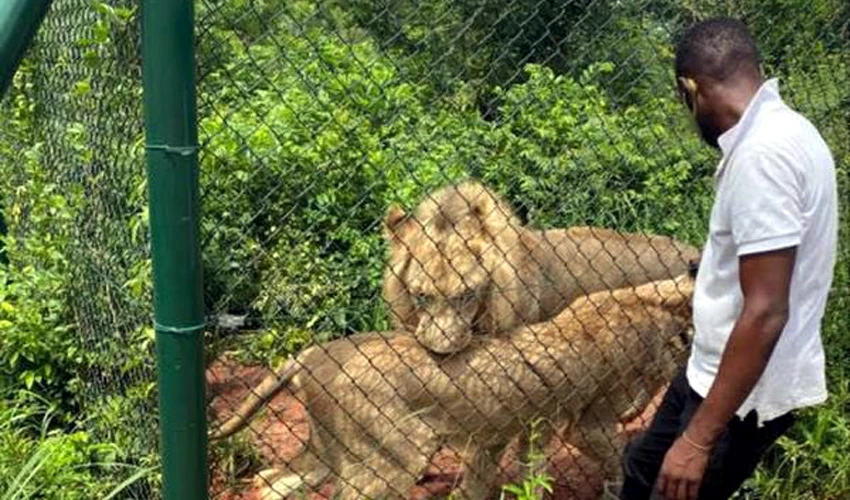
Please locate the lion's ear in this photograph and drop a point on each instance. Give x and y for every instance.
(395, 220)
(492, 212)
(482, 204)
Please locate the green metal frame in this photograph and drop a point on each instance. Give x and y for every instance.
(19, 22)
(168, 69)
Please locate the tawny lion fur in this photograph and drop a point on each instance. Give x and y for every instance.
(381, 405)
(462, 264)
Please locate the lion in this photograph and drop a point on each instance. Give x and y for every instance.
(462, 265)
(380, 405)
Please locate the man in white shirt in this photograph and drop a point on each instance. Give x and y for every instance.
(762, 282)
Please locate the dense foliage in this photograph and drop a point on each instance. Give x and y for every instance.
(314, 117)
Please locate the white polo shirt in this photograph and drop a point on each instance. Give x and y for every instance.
(774, 188)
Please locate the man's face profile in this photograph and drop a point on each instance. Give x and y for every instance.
(689, 93)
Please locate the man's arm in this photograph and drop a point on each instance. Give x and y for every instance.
(765, 283)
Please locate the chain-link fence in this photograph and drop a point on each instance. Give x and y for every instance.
(320, 116)
(457, 175)
(74, 201)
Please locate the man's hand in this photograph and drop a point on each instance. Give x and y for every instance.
(682, 471)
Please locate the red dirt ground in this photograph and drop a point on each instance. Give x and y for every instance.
(280, 432)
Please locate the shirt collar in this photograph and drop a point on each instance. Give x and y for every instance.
(768, 92)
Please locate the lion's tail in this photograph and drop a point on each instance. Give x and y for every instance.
(256, 399)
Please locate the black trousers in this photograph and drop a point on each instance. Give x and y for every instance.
(733, 459)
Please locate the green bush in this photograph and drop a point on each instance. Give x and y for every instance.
(37, 347)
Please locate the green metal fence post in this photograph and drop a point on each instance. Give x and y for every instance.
(168, 65)
(19, 22)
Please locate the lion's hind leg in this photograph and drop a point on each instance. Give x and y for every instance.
(381, 476)
(596, 436)
(481, 469)
(388, 461)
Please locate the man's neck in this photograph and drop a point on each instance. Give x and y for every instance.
(737, 96)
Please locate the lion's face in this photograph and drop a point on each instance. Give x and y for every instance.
(448, 284)
(443, 259)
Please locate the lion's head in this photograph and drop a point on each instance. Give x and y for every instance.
(444, 259)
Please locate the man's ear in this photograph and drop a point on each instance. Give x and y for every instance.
(690, 88)
(689, 84)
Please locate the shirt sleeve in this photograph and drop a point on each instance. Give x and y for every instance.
(766, 203)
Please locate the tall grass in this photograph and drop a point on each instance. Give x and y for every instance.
(38, 461)
(813, 461)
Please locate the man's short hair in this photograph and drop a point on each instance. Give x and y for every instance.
(717, 48)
